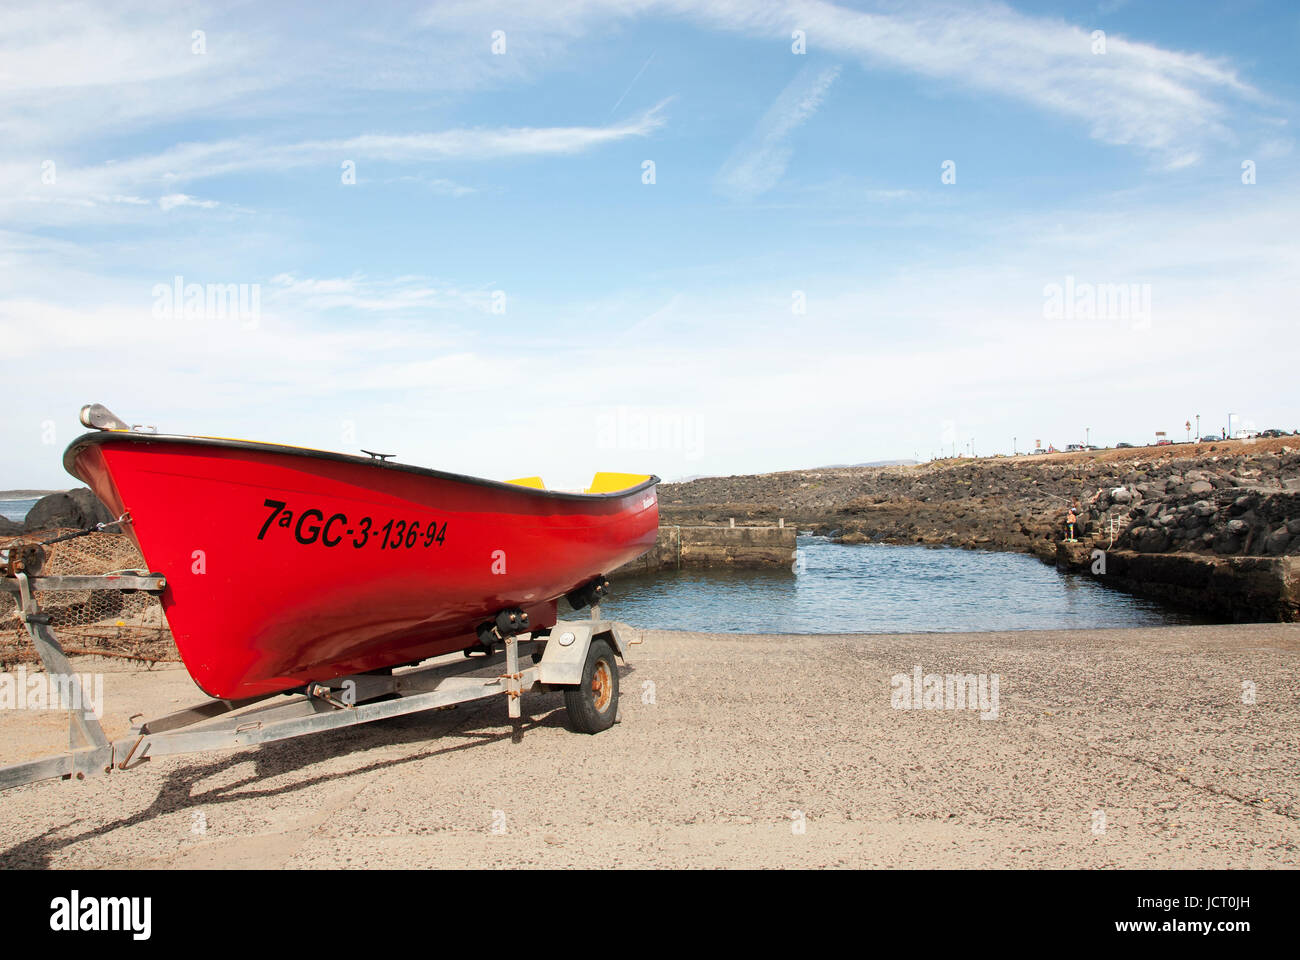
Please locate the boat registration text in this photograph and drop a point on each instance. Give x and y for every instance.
(313, 526)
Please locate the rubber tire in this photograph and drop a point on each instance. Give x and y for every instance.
(580, 702)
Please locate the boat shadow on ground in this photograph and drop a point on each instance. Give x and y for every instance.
(478, 721)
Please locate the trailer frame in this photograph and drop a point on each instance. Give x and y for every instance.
(558, 654)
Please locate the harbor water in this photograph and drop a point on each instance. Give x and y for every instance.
(881, 588)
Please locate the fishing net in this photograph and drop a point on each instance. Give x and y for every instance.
(106, 623)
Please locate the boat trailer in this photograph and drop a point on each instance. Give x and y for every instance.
(576, 657)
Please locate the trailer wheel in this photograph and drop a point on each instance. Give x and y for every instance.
(593, 704)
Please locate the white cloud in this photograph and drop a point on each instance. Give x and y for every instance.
(393, 297)
(192, 162)
(71, 70)
(1137, 94)
(759, 163)
(173, 200)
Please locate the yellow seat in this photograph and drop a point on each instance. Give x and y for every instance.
(614, 482)
(600, 483)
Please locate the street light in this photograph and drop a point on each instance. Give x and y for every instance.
(1087, 436)
(1198, 426)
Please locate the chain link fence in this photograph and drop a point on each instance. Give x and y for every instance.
(106, 623)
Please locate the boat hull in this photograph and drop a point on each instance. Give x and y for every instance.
(286, 566)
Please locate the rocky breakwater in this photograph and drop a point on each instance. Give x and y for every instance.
(1222, 536)
(716, 545)
(1228, 513)
(76, 509)
(1249, 508)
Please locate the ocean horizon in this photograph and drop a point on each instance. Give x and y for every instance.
(17, 509)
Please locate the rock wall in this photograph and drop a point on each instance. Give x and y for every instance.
(715, 546)
(1242, 589)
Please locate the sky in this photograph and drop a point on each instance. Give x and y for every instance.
(653, 236)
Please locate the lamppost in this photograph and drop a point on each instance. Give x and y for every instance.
(1013, 446)
(1087, 436)
(1198, 426)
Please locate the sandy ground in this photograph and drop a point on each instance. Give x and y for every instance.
(1128, 748)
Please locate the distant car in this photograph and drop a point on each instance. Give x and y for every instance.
(1038, 451)
(1073, 447)
(1123, 446)
(1245, 435)
(1091, 447)
(1164, 443)
(1210, 438)
(1273, 433)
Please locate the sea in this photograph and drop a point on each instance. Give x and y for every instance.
(882, 588)
(16, 510)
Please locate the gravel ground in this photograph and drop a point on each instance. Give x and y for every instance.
(1111, 748)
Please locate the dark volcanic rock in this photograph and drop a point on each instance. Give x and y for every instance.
(1150, 540)
(77, 508)
(1226, 543)
(1276, 542)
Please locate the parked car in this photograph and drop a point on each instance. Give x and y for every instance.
(1123, 446)
(1164, 443)
(1273, 433)
(1210, 438)
(1073, 447)
(1038, 451)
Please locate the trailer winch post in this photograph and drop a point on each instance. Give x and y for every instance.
(85, 735)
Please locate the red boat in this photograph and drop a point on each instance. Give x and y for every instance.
(286, 566)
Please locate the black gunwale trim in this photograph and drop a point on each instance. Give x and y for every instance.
(113, 436)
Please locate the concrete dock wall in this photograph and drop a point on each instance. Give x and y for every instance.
(1237, 588)
(716, 546)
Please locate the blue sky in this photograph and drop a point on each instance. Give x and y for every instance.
(500, 292)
